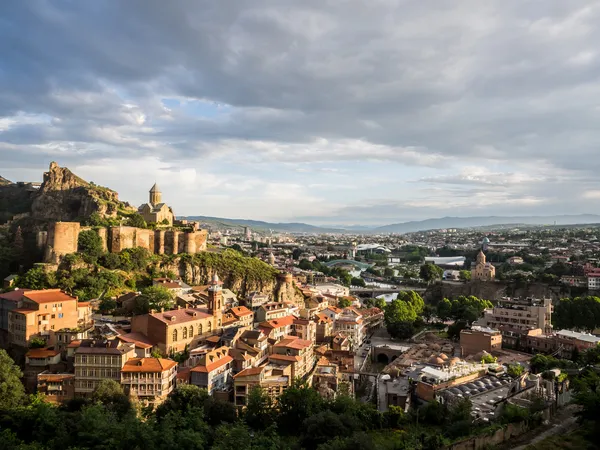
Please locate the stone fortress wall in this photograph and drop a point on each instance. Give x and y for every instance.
(61, 239)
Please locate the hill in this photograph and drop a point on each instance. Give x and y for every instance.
(289, 227)
(476, 222)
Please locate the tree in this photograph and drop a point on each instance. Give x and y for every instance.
(89, 243)
(153, 298)
(430, 272)
(388, 272)
(37, 342)
(136, 220)
(36, 278)
(12, 392)
(580, 313)
(344, 302)
(515, 370)
(305, 264)
(414, 299)
(110, 394)
(357, 281)
(296, 253)
(401, 330)
(464, 275)
(259, 413)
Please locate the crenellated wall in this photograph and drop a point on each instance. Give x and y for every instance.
(62, 237)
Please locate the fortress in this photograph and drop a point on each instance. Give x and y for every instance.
(61, 239)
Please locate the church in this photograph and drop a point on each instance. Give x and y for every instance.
(155, 210)
(483, 271)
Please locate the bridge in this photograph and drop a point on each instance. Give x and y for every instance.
(373, 291)
(348, 262)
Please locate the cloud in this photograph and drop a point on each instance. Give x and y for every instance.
(320, 96)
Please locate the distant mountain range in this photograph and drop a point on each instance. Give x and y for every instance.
(407, 227)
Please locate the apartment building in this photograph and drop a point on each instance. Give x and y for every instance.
(238, 316)
(8, 302)
(564, 343)
(98, 360)
(149, 379)
(255, 300)
(42, 313)
(305, 329)
(519, 315)
(214, 371)
(274, 379)
(56, 388)
(324, 328)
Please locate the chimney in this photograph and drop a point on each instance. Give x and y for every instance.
(178, 306)
(152, 311)
(162, 310)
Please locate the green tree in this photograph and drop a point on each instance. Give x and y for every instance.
(357, 281)
(259, 413)
(37, 342)
(12, 392)
(89, 244)
(464, 275)
(37, 278)
(153, 298)
(296, 253)
(136, 220)
(388, 272)
(344, 302)
(414, 299)
(515, 370)
(430, 272)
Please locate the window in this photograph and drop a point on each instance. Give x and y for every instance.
(199, 328)
(191, 331)
(184, 334)
(174, 335)
(60, 315)
(54, 316)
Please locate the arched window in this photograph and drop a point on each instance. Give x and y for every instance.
(191, 331)
(174, 335)
(209, 326)
(200, 329)
(184, 333)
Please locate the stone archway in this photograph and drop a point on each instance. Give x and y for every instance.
(383, 358)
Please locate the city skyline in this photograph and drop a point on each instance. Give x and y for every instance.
(366, 114)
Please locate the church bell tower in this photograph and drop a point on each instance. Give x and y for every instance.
(155, 195)
(215, 300)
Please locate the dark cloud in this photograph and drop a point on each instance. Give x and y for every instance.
(509, 85)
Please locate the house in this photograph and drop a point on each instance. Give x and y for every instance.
(332, 312)
(305, 329)
(149, 379)
(350, 323)
(238, 316)
(177, 287)
(296, 352)
(143, 346)
(42, 313)
(255, 344)
(324, 328)
(256, 299)
(479, 339)
(326, 379)
(214, 371)
(272, 378)
(8, 302)
(56, 388)
(277, 328)
(38, 360)
(270, 311)
(99, 360)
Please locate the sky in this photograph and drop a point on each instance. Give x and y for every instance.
(327, 112)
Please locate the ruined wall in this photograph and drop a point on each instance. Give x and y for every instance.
(61, 240)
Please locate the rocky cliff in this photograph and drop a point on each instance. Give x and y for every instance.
(64, 196)
(240, 274)
(15, 199)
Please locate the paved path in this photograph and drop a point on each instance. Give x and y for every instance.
(561, 427)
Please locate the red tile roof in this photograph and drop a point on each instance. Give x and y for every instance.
(148, 365)
(285, 357)
(49, 296)
(278, 323)
(294, 342)
(241, 311)
(41, 353)
(14, 296)
(213, 360)
(139, 339)
(176, 316)
(249, 371)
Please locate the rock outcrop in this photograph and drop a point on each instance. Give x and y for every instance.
(64, 196)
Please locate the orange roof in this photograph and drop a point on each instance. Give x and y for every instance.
(334, 309)
(138, 339)
(278, 323)
(74, 344)
(183, 374)
(41, 353)
(49, 296)
(213, 339)
(55, 376)
(241, 311)
(148, 365)
(177, 316)
(323, 361)
(285, 357)
(323, 318)
(250, 371)
(14, 296)
(294, 342)
(215, 359)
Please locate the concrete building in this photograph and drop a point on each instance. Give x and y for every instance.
(56, 388)
(99, 360)
(149, 379)
(8, 302)
(274, 310)
(483, 271)
(350, 323)
(43, 313)
(155, 211)
(478, 339)
(564, 342)
(519, 315)
(296, 352)
(277, 328)
(214, 371)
